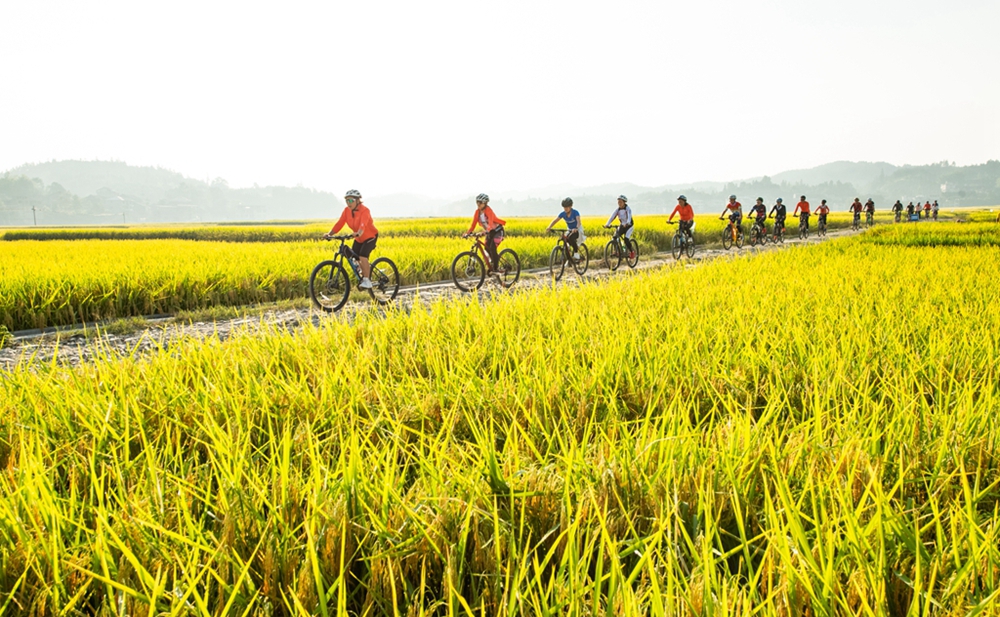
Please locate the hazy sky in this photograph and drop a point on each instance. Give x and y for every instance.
(447, 98)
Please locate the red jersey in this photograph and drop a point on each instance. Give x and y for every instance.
(823, 210)
(735, 206)
(685, 212)
(487, 219)
(802, 206)
(855, 207)
(359, 218)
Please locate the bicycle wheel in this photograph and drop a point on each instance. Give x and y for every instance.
(739, 237)
(581, 265)
(689, 247)
(612, 255)
(509, 267)
(753, 237)
(385, 280)
(677, 246)
(557, 262)
(468, 271)
(329, 286)
(727, 238)
(632, 259)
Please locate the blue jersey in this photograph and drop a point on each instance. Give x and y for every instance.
(571, 218)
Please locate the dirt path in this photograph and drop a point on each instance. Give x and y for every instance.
(75, 347)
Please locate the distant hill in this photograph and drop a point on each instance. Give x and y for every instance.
(860, 174)
(111, 192)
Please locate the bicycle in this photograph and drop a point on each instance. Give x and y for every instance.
(562, 253)
(330, 285)
(869, 219)
(821, 227)
(934, 214)
(758, 233)
(682, 243)
(614, 251)
(856, 222)
(804, 226)
(731, 234)
(899, 215)
(468, 270)
(778, 233)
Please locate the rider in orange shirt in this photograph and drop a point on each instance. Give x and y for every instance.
(686, 214)
(821, 212)
(735, 210)
(359, 219)
(493, 226)
(802, 210)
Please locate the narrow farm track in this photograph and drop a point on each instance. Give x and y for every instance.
(74, 345)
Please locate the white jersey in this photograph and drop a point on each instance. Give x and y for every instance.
(624, 216)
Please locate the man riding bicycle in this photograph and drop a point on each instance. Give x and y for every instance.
(574, 225)
(359, 219)
(856, 208)
(779, 211)
(686, 214)
(870, 207)
(625, 224)
(735, 211)
(910, 209)
(821, 212)
(493, 226)
(802, 211)
(934, 209)
(897, 209)
(760, 211)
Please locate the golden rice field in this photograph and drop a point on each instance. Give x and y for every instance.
(51, 282)
(804, 432)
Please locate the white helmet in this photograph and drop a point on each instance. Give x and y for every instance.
(353, 193)
(483, 197)
(623, 198)
(732, 197)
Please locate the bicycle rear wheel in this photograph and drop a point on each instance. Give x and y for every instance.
(689, 247)
(739, 237)
(329, 286)
(632, 259)
(385, 280)
(468, 271)
(677, 246)
(612, 255)
(557, 262)
(581, 265)
(509, 267)
(727, 238)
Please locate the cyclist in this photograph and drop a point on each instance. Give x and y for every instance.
(779, 211)
(359, 219)
(493, 226)
(870, 209)
(910, 209)
(934, 209)
(760, 210)
(856, 208)
(821, 212)
(897, 209)
(927, 210)
(735, 210)
(686, 214)
(626, 225)
(803, 208)
(573, 223)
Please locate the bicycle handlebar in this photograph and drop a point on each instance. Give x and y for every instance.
(340, 237)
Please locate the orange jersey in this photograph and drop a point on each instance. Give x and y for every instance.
(735, 206)
(487, 219)
(802, 206)
(823, 210)
(685, 212)
(359, 218)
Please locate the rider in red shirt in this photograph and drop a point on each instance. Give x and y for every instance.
(359, 219)
(802, 208)
(686, 213)
(822, 211)
(493, 226)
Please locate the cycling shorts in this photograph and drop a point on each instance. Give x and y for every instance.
(364, 249)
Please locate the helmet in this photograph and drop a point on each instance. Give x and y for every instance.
(779, 200)
(567, 202)
(482, 197)
(623, 198)
(760, 199)
(732, 197)
(682, 197)
(353, 193)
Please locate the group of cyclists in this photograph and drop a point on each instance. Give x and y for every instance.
(358, 218)
(913, 211)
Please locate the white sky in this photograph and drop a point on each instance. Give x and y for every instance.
(448, 98)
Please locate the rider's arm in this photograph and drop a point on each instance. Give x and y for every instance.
(554, 221)
(472, 227)
(613, 215)
(340, 223)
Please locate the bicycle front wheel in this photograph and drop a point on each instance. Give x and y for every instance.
(509, 267)
(329, 286)
(385, 280)
(727, 238)
(677, 247)
(612, 255)
(468, 271)
(581, 265)
(557, 262)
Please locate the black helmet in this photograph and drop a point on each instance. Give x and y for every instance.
(567, 202)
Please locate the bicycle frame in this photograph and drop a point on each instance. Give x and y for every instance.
(343, 251)
(479, 247)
